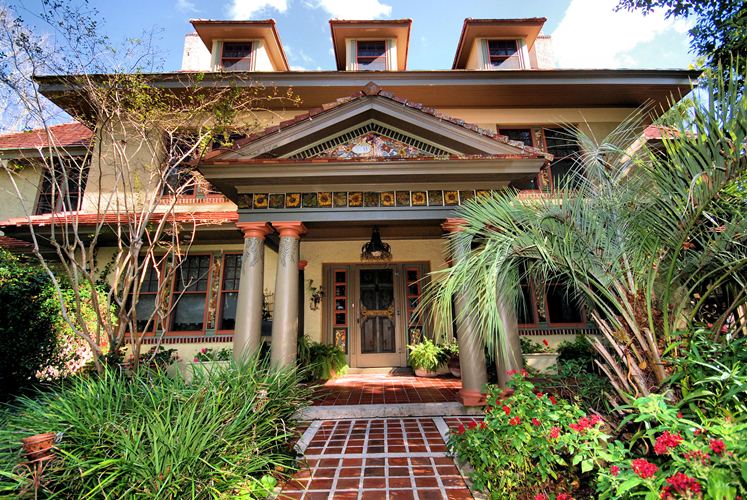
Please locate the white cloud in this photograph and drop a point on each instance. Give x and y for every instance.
(593, 35)
(246, 9)
(186, 6)
(352, 9)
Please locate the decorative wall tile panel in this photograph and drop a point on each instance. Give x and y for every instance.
(260, 200)
(308, 200)
(340, 199)
(293, 200)
(387, 199)
(419, 198)
(355, 199)
(277, 200)
(435, 198)
(324, 199)
(403, 198)
(371, 199)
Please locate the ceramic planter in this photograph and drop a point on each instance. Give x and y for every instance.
(542, 362)
(454, 367)
(39, 446)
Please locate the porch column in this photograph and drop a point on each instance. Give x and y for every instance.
(248, 330)
(285, 317)
(471, 347)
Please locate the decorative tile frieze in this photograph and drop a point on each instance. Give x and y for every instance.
(357, 199)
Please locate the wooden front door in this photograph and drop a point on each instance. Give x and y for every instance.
(371, 311)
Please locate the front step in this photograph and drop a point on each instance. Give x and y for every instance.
(384, 370)
(387, 410)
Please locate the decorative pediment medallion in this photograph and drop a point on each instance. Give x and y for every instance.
(373, 145)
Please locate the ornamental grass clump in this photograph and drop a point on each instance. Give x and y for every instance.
(227, 433)
(531, 443)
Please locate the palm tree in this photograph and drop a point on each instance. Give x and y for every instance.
(643, 237)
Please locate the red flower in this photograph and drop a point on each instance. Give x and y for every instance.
(483, 425)
(511, 373)
(541, 496)
(507, 410)
(679, 414)
(524, 373)
(547, 344)
(585, 423)
(540, 394)
(717, 446)
(615, 470)
(488, 409)
(643, 468)
(472, 425)
(665, 442)
(552, 399)
(515, 421)
(460, 429)
(563, 496)
(682, 484)
(203, 350)
(535, 422)
(555, 432)
(697, 455)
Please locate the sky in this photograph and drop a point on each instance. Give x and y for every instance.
(586, 33)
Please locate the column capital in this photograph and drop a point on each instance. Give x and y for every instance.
(453, 224)
(254, 229)
(293, 229)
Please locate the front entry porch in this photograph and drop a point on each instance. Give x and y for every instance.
(368, 389)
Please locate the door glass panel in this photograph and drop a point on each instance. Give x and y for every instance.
(377, 311)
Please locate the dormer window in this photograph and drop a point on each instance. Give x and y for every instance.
(236, 56)
(503, 54)
(371, 55)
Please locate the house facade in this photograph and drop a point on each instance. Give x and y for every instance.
(373, 163)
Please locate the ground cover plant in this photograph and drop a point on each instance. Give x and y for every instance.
(226, 433)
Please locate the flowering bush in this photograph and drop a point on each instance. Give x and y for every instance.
(678, 458)
(207, 354)
(531, 443)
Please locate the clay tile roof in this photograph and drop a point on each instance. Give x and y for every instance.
(65, 135)
(371, 89)
(9, 243)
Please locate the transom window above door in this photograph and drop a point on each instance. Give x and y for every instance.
(371, 55)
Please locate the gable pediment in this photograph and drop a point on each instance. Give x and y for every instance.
(373, 125)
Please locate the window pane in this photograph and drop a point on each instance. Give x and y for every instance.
(144, 310)
(501, 48)
(189, 313)
(561, 144)
(150, 283)
(231, 272)
(237, 56)
(193, 274)
(561, 308)
(372, 55)
(228, 311)
(65, 193)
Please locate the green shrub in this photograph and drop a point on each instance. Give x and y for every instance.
(530, 347)
(580, 353)
(153, 436)
(27, 337)
(427, 356)
(675, 457)
(531, 444)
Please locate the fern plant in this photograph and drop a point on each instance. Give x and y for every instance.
(427, 355)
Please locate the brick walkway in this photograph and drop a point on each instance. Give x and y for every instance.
(387, 389)
(377, 458)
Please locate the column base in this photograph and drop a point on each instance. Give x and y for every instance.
(471, 397)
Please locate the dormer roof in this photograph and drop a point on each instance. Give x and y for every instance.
(380, 28)
(527, 28)
(210, 29)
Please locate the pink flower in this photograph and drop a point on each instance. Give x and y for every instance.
(507, 410)
(514, 421)
(643, 468)
(666, 441)
(615, 470)
(536, 422)
(196, 360)
(555, 432)
(717, 446)
(203, 350)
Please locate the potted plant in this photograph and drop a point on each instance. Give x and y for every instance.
(451, 350)
(426, 358)
(539, 357)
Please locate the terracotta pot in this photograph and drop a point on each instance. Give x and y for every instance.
(422, 372)
(39, 446)
(454, 367)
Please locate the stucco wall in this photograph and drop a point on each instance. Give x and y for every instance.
(323, 252)
(27, 181)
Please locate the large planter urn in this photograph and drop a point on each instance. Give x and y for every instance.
(454, 367)
(542, 362)
(39, 446)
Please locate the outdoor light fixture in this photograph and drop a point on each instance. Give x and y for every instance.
(376, 249)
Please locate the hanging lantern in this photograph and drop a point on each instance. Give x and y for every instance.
(376, 249)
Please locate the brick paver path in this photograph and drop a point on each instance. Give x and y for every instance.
(387, 389)
(377, 458)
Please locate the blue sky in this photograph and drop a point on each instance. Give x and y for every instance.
(586, 33)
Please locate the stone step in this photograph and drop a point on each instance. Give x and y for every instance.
(329, 412)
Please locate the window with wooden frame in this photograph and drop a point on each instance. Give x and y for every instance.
(191, 285)
(62, 186)
(229, 291)
(371, 55)
(236, 56)
(503, 54)
(561, 143)
(526, 137)
(145, 308)
(561, 306)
